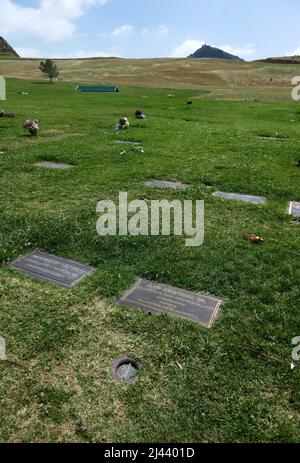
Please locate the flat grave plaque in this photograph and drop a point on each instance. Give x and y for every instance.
(65, 273)
(294, 209)
(273, 138)
(2, 349)
(54, 165)
(246, 198)
(167, 185)
(156, 299)
(127, 142)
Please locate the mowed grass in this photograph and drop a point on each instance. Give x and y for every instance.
(236, 383)
(222, 79)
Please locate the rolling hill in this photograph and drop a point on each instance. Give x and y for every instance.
(207, 51)
(282, 60)
(6, 50)
(220, 79)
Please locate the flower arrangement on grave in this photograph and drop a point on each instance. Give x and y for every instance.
(123, 124)
(139, 114)
(31, 126)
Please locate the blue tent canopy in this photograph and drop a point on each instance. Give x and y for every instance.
(98, 89)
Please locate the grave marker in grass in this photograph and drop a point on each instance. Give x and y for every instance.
(294, 209)
(65, 273)
(167, 185)
(241, 197)
(156, 299)
(2, 88)
(2, 349)
(54, 165)
(272, 137)
(127, 142)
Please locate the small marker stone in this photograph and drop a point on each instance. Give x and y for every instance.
(294, 209)
(127, 142)
(2, 349)
(240, 197)
(264, 137)
(54, 165)
(167, 185)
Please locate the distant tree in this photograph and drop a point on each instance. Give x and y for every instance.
(49, 67)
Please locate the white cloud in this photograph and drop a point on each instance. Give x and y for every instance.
(163, 29)
(296, 52)
(28, 52)
(144, 32)
(52, 20)
(242, 52)
(122, 30)
(189, 46)
(80, 54)
(119, 31)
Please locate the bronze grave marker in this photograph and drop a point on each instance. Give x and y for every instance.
(158, 298)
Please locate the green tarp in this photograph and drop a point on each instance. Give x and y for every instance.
(97, 89)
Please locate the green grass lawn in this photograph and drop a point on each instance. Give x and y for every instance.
(236, 384)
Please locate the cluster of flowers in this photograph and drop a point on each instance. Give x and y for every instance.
(31, 126)
(123, 123)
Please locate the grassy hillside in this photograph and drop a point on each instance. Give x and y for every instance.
(236, 384)
(282, 60)
(222, 78)
(6, 51)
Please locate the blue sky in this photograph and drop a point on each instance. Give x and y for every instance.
(150, 28)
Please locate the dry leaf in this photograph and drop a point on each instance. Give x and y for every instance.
(257, 240)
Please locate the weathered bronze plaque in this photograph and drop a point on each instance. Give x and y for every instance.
(158, 298)
(246, 198)
(65, 273)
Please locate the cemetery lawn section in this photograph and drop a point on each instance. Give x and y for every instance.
(230, 383)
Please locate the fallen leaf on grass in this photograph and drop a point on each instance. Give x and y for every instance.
(255, 239)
